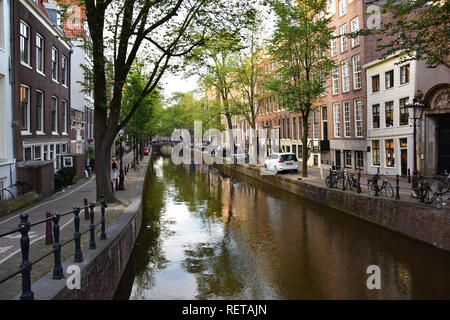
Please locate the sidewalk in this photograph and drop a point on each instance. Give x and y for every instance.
(64, 201)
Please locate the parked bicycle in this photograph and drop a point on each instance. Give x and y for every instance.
(441, 182)
(384, 190)
(331, 181)
(428, 193)
(351, 182)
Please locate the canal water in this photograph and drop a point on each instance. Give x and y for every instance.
(209, 236)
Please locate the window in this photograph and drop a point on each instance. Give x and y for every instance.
(300, 151)
(309, 126)
(334, 45)
(376, 83)
(294, 129)
(39, 53)
(359, 118)
(39, 111)
(64, 71)
(357, 80)
(288, 121)
(345, 76)
(24, 43)
(403, 142)
(389, 79)
(335, 80)
(45, 158)
(389, 111)
(54, 110)
(347, 132)
(348, 159)
(354, 27)
(376, 152)
(316, 124)
(2, 31)
(37, 152)
(376, 116)
(342, 7)
(404, 117)
(300, 128)
(344, 39)
(54, 64)
(25, 107)
(27, 153)
(404, 74)
(390, 159)
(337, 120)
(64, 115)
(359, 159)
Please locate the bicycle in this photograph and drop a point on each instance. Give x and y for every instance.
(385, 189)
(331, 181)
(441, 182)
(351, 182)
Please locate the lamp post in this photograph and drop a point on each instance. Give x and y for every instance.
(269, 145)
(121, 174)
(415, 113)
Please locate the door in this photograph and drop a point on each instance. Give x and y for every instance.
(404, 161)
(338, 159)
(443, 143)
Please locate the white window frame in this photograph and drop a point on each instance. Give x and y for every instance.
(345, 76)
(403, 67)
(347, 119)
(55, 55)
(358, 118)
(64, 71)
(41, 113)
(40, 53)
(334, 45)
(64, 110)
(344, 38)
(55, 129)
(27, 129)
(354, 26)
(335, 80)
(316, 124)
(342, 8)
(357, 77)
(337, 120)
(22, 43)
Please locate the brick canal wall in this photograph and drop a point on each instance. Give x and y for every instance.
(425, 223)
(102, 268)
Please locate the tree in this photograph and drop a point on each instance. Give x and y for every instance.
(159, 31)
(300, 47)
(420, 29)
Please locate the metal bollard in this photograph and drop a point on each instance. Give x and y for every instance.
(397, 192)
(86, 209)
(358, 189)
(48, 229)
(112, 186)
(343, 181)
(78, 256)
(104, 206)
(117, 184)
(24, 226)
(92, 228)
(409, 175)
(375, 183)
(57, 269)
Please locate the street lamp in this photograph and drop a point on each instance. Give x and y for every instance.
(268, 136)
(415, 110)
(121, 174)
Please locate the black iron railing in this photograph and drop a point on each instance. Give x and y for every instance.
(24, 228)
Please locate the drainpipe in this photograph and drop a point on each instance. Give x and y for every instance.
(12, 82)
(69, 117)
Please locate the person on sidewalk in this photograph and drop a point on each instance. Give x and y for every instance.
(114, 167)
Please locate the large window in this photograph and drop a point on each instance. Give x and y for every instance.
(389, 79)
(54, 110)
(344, 39)
(294, 129)
(39, 53)
(334, 45)
(389, 110)
(354, 27)
(345, 76)
(335, 80)
(347, 131)
(39, 111)
(390, 155)
(64, 115)
(25, 107)
(376, 152)
(54, 64)
(348, 159)
(376, 116)
(64, 71)
(359, 118)
(316, 124)
(359, 159)
(337, 120)
(376, 83)
(404, 74)
(403, 112)
(357, 79)
(24, 43)
(342, 7)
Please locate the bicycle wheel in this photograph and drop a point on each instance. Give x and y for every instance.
(371, 188)
(439, 185)
(340, 183)
(328, 182)
(388, 190)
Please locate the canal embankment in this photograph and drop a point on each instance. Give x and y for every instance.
(419, 221)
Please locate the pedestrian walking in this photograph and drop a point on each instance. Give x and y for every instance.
(114, 167)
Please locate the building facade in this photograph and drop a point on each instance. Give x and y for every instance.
(7, 160)
(41, 86)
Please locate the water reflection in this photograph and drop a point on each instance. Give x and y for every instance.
(215, 237)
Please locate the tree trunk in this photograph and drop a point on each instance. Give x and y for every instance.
(305, 146)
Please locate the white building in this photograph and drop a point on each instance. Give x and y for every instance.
(391, 85)
(7, 159)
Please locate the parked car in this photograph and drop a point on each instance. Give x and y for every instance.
(278, 162)
(146, 151)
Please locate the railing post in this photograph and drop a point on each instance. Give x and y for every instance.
(24, 226)
(104, 206)
(375, 183)
(92, 227)
(48, 229)
(343, 180)
(78, 256)
(86, 209)
(117, 184)
(397, 192)
(57, 269)
(358, 189)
